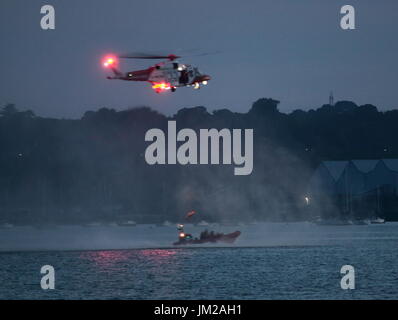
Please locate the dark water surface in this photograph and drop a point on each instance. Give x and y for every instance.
(285, 272)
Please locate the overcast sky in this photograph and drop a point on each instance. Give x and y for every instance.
(293, 51)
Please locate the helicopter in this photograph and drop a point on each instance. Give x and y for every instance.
(166, 75)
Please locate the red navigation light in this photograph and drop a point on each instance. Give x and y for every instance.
(109, 62)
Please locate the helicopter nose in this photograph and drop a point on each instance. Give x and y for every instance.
(206, 77)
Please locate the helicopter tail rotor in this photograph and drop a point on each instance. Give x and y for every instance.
(111, 62)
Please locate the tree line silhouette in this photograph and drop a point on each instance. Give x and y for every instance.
(94, 169)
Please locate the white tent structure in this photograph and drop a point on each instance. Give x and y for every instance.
(356, 187)
(354, 176)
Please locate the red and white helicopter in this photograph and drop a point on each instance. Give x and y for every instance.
(166, 75)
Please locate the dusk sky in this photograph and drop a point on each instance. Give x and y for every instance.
(293, 51)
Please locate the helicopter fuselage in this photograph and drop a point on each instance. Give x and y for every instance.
(166, 76)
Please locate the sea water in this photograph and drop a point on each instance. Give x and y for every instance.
(269, 261)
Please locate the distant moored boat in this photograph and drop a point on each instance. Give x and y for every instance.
(203, 223)
(129, 223)
(6, 225)
(378, 221)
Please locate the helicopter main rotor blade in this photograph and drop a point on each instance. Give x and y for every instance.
(148, 56)
(171, 57)
(203, 54)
